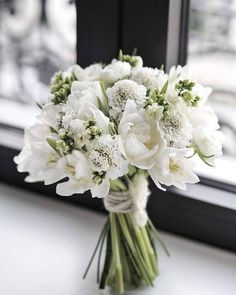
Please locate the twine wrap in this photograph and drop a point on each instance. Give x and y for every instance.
(133, 200)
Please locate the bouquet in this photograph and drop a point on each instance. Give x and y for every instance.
(106, 128)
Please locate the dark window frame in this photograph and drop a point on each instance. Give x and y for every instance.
(170, 210)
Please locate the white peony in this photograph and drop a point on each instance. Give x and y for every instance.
(172, 168)
(115, 71)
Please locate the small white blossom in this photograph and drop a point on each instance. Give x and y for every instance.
(115, 71)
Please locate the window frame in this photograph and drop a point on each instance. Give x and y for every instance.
(170, 210)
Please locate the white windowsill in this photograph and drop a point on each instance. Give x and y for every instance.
(45, 246)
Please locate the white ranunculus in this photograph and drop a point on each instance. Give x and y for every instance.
(172, 168)
(149, 77)
(121, 92)
(209, 142)
(91, 73)
(38, 158)
(141, 141)
(115, 71)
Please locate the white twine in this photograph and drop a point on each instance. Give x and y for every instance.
(134, 200)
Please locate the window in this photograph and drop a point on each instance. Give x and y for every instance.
(212, 57)
(40, 44)
(36, 39)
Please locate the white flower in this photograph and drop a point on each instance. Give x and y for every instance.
(84, 92)
(115, 71)
(38, 158)
(148, 77)
(206, 139)
(203, 116)
(172, 168)
(86, 124)
(50, 115)
(140, 140)
(175, 126)
(184, 73)
(209, 143)
(93, 169)
(121, 92)
(90, 73)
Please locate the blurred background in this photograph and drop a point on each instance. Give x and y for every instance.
(35, 33)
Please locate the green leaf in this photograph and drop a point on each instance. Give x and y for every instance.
(53, 145)
(112, 129)
(101, 107)
(120, 55)
(164, 88)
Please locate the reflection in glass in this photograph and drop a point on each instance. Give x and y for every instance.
(212, 57)
(37, 37)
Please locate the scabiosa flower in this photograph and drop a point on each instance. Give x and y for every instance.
(148, 77)
(121, 92)
(175, 127)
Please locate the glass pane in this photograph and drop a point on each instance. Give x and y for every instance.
(37, 37)
(212, 57)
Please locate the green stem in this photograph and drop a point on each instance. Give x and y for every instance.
(158, 237)
(103, 232)
(143, 248)
(150, 250)
(116, 252)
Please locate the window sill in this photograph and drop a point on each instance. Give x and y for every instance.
(42, 238)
